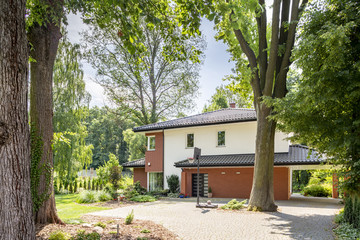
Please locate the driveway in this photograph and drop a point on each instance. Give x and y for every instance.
(296, 219)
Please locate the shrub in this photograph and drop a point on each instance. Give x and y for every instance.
(143, 198)
(173, 195)
(134, 190)
(346, 231)
(352, 211)
(317, 191)
(75, 186)
(129, 218)
(86, 236)
(173, 182)
(59, 235)
(145, 231)
(139, 188)
(103, 196)
(86, 196)
(234, 205)
(159, 193)
(115, 175)
(93, 184)
(71, 190)
(89, 184)
(100, 224)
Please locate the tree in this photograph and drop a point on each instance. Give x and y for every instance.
(70, 112)
(146, 85)
(106, 133)
(15, 204)
(322, 109)
(136, 143)
(223, 96)
(263, 64)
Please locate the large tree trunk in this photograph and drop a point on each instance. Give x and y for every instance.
(16, 220)
(262, 192)
(44, 40)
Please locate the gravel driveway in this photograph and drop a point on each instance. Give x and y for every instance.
(296, 219)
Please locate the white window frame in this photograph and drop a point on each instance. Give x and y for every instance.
(186, 141)
(217, 138)
(148, 143)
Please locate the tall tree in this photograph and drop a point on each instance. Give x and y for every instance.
(15, 201)
(322, 109)
(44, 35)
(70, 112)
(243, 26)
(136, 143)
(146, 85)
(223, 96)
(106, 133)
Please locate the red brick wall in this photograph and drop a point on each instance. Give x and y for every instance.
(155, 158)
(232, 185)
(140, 175)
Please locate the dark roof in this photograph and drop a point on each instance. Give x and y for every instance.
(222, 116)
(297, 155)
(133, 164)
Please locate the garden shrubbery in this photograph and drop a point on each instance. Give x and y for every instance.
(318, 191)
(143, 198)
(89, 196)
(349, 219)
(234, 205)
(173, 183)
(320, 184)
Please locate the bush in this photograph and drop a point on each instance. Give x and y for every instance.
(145, 231)
(100, 224)
(317, 191)
(129, 218)
(59, 235)
(234, 205)
(86, 236)
(134, 190)
(75, 186)
(173, 182)
(352, 211)
(104, 196)
(115, 175)
(87, 196)
(159, 193)
(139, 188)
(173, 195)
(346, 231)
(143, 198)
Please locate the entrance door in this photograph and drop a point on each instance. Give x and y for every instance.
(203, 184)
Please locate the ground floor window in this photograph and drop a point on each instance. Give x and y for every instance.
(156, 181)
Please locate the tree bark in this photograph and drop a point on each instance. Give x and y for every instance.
(44, 40)
(262, 192)
(16, 220)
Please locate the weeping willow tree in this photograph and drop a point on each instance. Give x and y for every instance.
(71, 153)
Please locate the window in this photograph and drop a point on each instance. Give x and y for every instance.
(156, 181)
(151, 143)
(190, 140)
(221, 138)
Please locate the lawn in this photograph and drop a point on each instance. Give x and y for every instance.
(69, 211)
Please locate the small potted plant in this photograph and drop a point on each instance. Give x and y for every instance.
(210, 192)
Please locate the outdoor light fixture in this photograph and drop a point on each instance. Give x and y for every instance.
(191, 160)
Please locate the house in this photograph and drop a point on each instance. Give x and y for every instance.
(227, 140)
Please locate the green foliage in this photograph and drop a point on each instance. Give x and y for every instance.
(145, 231)
(86, 196)
(225, 95)
(352, 211)
(318, 191)
(59, 235)
(234, 205)
(209, 190)
(173, 195)
(322, 109)
(111, 171)
(136, 143)
(173, 182)
(129, 218)
(71, 153)
(143, 198)
(152, 88)
(300, 178)
(346, 231)
(37, 170)
(81, 235)
(134, 190)
(100, 224)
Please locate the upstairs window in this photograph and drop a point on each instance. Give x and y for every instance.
(151, 143)
(221, 138)
(190, 140)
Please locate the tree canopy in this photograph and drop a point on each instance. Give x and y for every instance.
(322, 109)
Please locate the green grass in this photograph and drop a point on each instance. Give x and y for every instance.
(69, 211)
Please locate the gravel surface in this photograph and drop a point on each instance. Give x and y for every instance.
(296, 219)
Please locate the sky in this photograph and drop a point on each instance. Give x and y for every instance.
(215, 66)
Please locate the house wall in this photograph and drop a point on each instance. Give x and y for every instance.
(237, 182)
(155, 157)
(141, 176)
(239, 138)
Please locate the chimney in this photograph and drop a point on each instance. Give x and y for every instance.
(232, 105)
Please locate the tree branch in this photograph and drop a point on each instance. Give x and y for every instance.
(273, 50)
